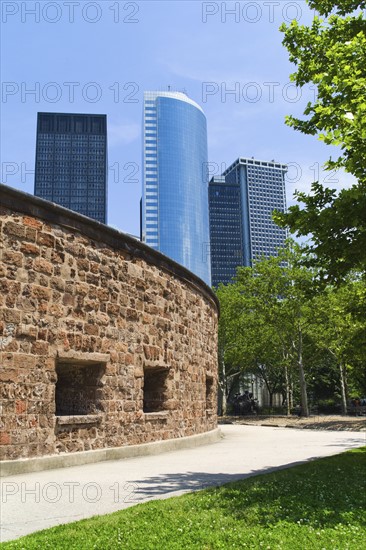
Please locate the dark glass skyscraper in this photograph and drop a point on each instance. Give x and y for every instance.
(71, 162)
(175, 188)
(225, 229)
(241, 207)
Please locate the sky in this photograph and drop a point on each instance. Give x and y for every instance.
(77, 56)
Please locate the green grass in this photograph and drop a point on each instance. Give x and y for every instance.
(318, 505)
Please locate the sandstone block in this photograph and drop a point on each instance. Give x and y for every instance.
(32, 222)
(30, 248)
(13, 258)
(14, 229)
(46, 239)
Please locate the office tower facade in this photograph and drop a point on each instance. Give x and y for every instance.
(175, 217)
(71, 162)
(226, 232)
(241, 207)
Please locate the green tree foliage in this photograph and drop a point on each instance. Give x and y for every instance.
(276, 325)
(247, 341)
(228, 369)
(338, 331)
(331, 53)
(334, 330)
(265, 313)
(323, 378)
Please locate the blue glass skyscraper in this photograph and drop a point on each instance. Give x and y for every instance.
(175, 216)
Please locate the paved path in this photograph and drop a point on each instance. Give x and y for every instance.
(30, 502)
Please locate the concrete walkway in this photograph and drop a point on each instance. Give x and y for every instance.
(30, 502)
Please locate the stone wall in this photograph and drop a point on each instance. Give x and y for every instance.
(103, 341)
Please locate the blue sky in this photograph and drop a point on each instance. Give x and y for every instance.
(99, 57)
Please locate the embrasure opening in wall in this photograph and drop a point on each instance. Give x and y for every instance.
(78, 388)
(210, 393)
(155, 389)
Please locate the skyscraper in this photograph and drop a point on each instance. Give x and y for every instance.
(241, 206)
(226, 233)
(175, 216)
(71, 162)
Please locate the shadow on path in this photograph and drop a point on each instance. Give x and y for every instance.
(163, 485)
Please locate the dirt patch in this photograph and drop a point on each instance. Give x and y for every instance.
(338, 423)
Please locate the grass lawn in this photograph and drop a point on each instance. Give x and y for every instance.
(318, 505)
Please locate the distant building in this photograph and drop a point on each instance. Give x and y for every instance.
(241, 203)
(174, 209)
(226, 229)
(71, 162)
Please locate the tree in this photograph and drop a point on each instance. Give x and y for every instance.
(246, 342)
(322, 374)
(331, 54)
(339, 331)
(228, 371)
(266, 311)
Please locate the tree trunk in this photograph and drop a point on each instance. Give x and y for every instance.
(291, 395)
(271, 399)
(288, 392)
(223, 403)
(303, 393)
(223, 390)
(342, 376)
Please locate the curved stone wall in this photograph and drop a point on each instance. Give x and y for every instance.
(104, 342)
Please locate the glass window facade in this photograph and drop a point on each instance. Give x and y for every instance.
(241, 206)
(175, 216)
(226, 232)
(71, 162)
